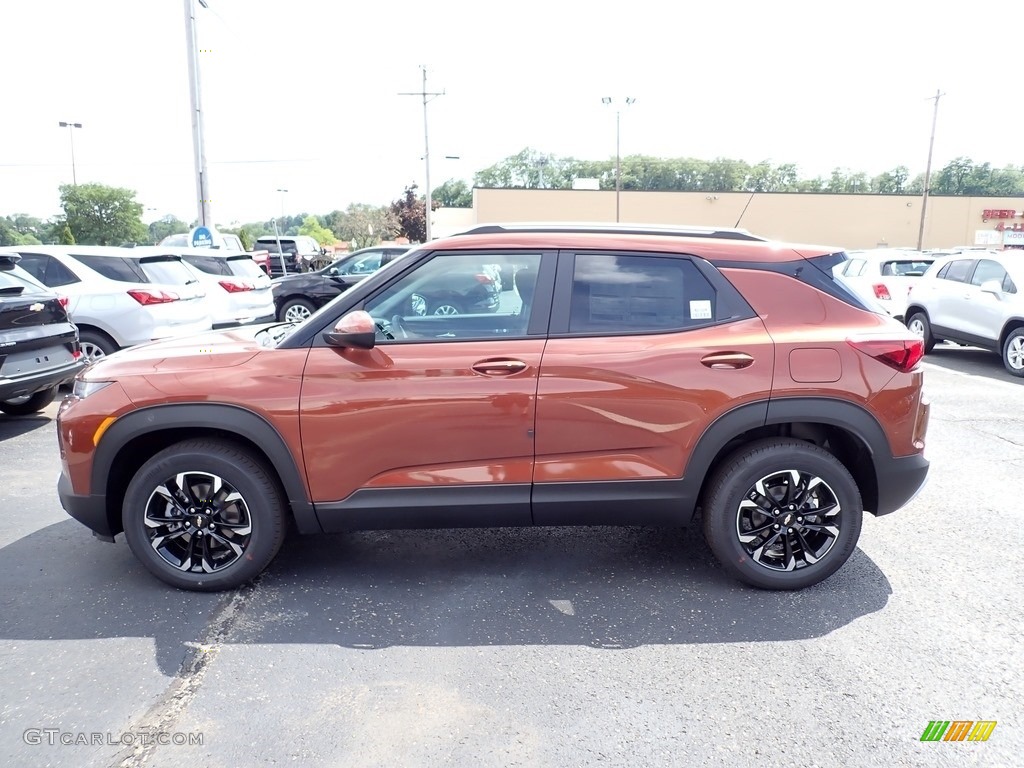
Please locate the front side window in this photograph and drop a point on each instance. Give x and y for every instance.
(615, 294)
(457, 296)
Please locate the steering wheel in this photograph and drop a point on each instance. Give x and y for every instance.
(398, 329)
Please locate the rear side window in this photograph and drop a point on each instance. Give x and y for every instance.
(167, 270)
(619, 293)
(988, 270)
(855, 268)
(211, 265)
(113, 267)
(57, 274)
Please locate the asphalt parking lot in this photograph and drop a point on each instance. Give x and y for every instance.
(555, 647)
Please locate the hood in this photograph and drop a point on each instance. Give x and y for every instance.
(206, 351)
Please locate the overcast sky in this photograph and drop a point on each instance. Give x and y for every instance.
(303, 94)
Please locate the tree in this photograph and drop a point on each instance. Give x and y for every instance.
(410, 212)
(102, 215)
(168, 225)
(66, 238)
(363, 225)
(453, 194)
(311, 226)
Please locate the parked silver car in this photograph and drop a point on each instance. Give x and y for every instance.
(120, 297)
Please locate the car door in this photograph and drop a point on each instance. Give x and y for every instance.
(435, 423)
(644, 352)
(949, 295)
(984, 313)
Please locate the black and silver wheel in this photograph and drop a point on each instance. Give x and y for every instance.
(1013, 352)
(445, 308)
(95, 346)
(28, 404)
(918, 325)
(296, 310)
(204, 515)
(782, 514)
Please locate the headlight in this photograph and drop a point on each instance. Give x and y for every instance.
(83, 388)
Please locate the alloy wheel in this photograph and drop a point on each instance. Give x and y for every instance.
(296, 313)
(446, 309)
(916, 327)
(197, 522)
(1015, 353)
(91, 352)
(788, 520)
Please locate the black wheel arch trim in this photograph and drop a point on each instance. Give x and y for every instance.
(233, 419)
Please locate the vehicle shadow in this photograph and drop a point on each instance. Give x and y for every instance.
(14, 426)
(973, 360)
(595, 587)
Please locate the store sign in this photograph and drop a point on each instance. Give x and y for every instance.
(1016, 226)
(987, 237)
(999, 213)
(1013, 237)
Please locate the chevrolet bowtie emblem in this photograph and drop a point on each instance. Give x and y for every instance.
(37, 307)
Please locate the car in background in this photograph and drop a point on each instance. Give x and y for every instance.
(296, 297)
(884, 275)
(221, 241)
(299, 251)
(973, 299)
(120, 297)
(38, 342)
(238, 290)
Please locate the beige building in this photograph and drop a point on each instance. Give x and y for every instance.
(848, 221)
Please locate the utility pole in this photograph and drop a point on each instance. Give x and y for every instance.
(608, 100)
(928, 169)
(198, 148)
(426, 140)
(71, 133)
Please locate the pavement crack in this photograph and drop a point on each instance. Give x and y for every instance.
(167, 710)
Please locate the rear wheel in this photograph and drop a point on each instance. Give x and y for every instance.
(204, 515)
(23, 406)
(296, 310)
(782, 514)
(920, 327)
(1013, 352)
(95, 345)
(446, 308)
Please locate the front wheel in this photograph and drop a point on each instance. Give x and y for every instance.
(204, 515)
(1013, 352)
(919, 326)
(782, 514)
(296, 310)
(29, 404)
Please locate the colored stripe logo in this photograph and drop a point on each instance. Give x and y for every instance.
(958, 730)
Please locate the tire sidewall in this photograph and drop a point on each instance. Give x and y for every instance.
(265, 514)
(737, 479)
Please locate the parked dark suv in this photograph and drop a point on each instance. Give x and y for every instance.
(629, 376)
(38, 343)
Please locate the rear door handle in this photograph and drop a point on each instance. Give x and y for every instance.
(499, 367)
(727, 360)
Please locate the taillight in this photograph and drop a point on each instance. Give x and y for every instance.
(146, 297)
(237, 286)
(881, 292)
(63, 301)
(485, 279)
(77, 354)
(901, 354)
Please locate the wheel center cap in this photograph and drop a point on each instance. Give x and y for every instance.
(788, 518)
(200, 521)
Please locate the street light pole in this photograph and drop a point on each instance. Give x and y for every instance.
(198, 146)
(71, 133)
(928, 169)
(426, 144)
(277, 234)
(618, 156)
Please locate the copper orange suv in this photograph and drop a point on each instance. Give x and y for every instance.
(629, 376)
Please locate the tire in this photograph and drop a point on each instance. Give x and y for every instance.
(31, 404)
(774, 560)
(1013, 352)
(919, 325)
(96, 345)
(247, 531)
(300, 310)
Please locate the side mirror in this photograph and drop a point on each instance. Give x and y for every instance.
(356, 330)
(332, 271)
(992, 286)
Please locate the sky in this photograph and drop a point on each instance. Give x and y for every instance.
(303, 95)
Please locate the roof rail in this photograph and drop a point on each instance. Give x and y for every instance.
(722, 233)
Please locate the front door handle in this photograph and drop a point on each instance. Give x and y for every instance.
(727, 360)
(499, 367)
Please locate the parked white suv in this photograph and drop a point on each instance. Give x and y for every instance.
(120, 297)
(973, 299)
(884, 275)
(239, 291)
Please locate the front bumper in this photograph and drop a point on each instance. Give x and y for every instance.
(899, 481)
(90, 511)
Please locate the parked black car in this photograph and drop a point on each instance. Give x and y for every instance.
(296, 297)
(38, 342)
